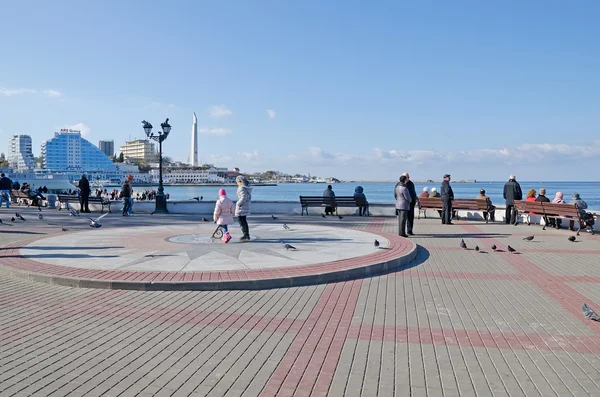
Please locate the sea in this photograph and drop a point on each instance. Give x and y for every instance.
(383, 192)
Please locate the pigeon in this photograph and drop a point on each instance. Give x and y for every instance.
(528, 238)
(477, 248)
(2, 223)
(12, 219)
(511, 249)
(341, 217)
(64, 229)
(201, 198)
(74, 212)
(572, 239)
(19, 216)
(274, 217)
(376, 243)
(323, 215)
(288, 246)
(589, 313)
(286, 227)
(494, 247)
(94, 222)
(204, 220)
(462, 244)
(197, 198)
(40, 217)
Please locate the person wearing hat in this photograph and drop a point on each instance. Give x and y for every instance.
(84, 194)
(410, 220)
(223, 214)
(447, 197)
(491, 207)
(242, 206)
(512, 192)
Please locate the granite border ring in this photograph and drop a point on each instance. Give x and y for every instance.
(399, 253)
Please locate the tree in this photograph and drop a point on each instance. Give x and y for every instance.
(121, 157)
(167, 160)
(3, 161)
(114, 158)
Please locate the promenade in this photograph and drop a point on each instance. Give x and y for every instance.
(445, 322)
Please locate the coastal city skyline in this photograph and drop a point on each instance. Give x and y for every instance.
(404, 88)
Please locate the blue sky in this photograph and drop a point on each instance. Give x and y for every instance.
(356, 90)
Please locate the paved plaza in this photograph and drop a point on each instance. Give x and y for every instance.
(449, 322)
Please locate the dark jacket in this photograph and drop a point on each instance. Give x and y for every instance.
(512, 192)
(84, 187)
(5, 183)
(446, 191)
(126, 189)
(543, 199)
(413, 193)
(358, 193)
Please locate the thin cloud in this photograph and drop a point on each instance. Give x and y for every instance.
(84, 128)
(271, 113)
(215, 131)
(218, 111)
(250, 156)
(52, 93)
(16, 91)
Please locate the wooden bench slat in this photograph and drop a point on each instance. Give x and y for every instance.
(337, 201)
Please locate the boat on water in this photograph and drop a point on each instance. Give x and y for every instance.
(55, 183)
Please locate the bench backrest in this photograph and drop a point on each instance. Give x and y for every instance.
(529, 206)
(430, 202)
(561, 209)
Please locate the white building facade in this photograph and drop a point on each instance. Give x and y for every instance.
(189, 176)
(20, 156)
(140, 149)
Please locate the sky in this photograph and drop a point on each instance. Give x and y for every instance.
(347, 89)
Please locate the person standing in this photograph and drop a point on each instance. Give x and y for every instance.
(242, 206)
(512, 192)
(223, 215)
(127, 194)
(447, 197)
(5, 187)
(411, 212)
(84, 194)
(330, 203)
(403, 200)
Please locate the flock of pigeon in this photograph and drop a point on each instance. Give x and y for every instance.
(510, 249)
(94, 222)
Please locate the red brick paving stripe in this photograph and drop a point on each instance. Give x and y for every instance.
(553, 286)
(474, 338)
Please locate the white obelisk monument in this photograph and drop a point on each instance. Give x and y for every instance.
(194, 147)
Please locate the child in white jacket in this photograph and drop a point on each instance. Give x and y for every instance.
(223, 215)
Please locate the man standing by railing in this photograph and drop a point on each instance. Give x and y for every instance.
(512, 192)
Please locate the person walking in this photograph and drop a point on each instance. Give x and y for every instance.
(330, 204)
(512, 192)
(127, 194)
(242, 206)
(447, 197)
(403, 200)
(411, 212)
(84, 194)
(5, 187)
(223, 215)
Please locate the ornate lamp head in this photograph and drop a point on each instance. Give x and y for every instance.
(147, 127)
(166, 127)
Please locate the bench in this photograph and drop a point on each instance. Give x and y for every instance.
(335, 202)
(20, 197)
(64, 199)
(528, 208)
(435, 203)
(552, 211)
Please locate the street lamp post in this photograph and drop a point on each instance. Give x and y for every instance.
(161, 201)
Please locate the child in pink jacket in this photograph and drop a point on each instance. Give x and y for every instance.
(223, 215)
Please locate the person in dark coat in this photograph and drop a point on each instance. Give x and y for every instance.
(84, 194)
(512, 192)
(359, 197)
(5, 187)
(403, 199)
(541, 198)
(328, 193)
(447, 197)
(410, 220)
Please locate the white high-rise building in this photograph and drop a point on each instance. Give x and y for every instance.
(20, 156)
(194, 147)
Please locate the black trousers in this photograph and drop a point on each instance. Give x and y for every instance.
(402, 220)
(491, 214)
(510, 214)
(446, 212)
(410, 218)
(363, 210)
(83, 203)
(244, 226)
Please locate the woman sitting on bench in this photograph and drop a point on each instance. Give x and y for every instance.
(587, 220)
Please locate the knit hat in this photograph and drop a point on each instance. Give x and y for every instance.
(130, 177)
(222, 192)
(425, 189)
(433, 189)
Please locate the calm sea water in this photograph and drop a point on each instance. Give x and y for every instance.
(383, 192)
